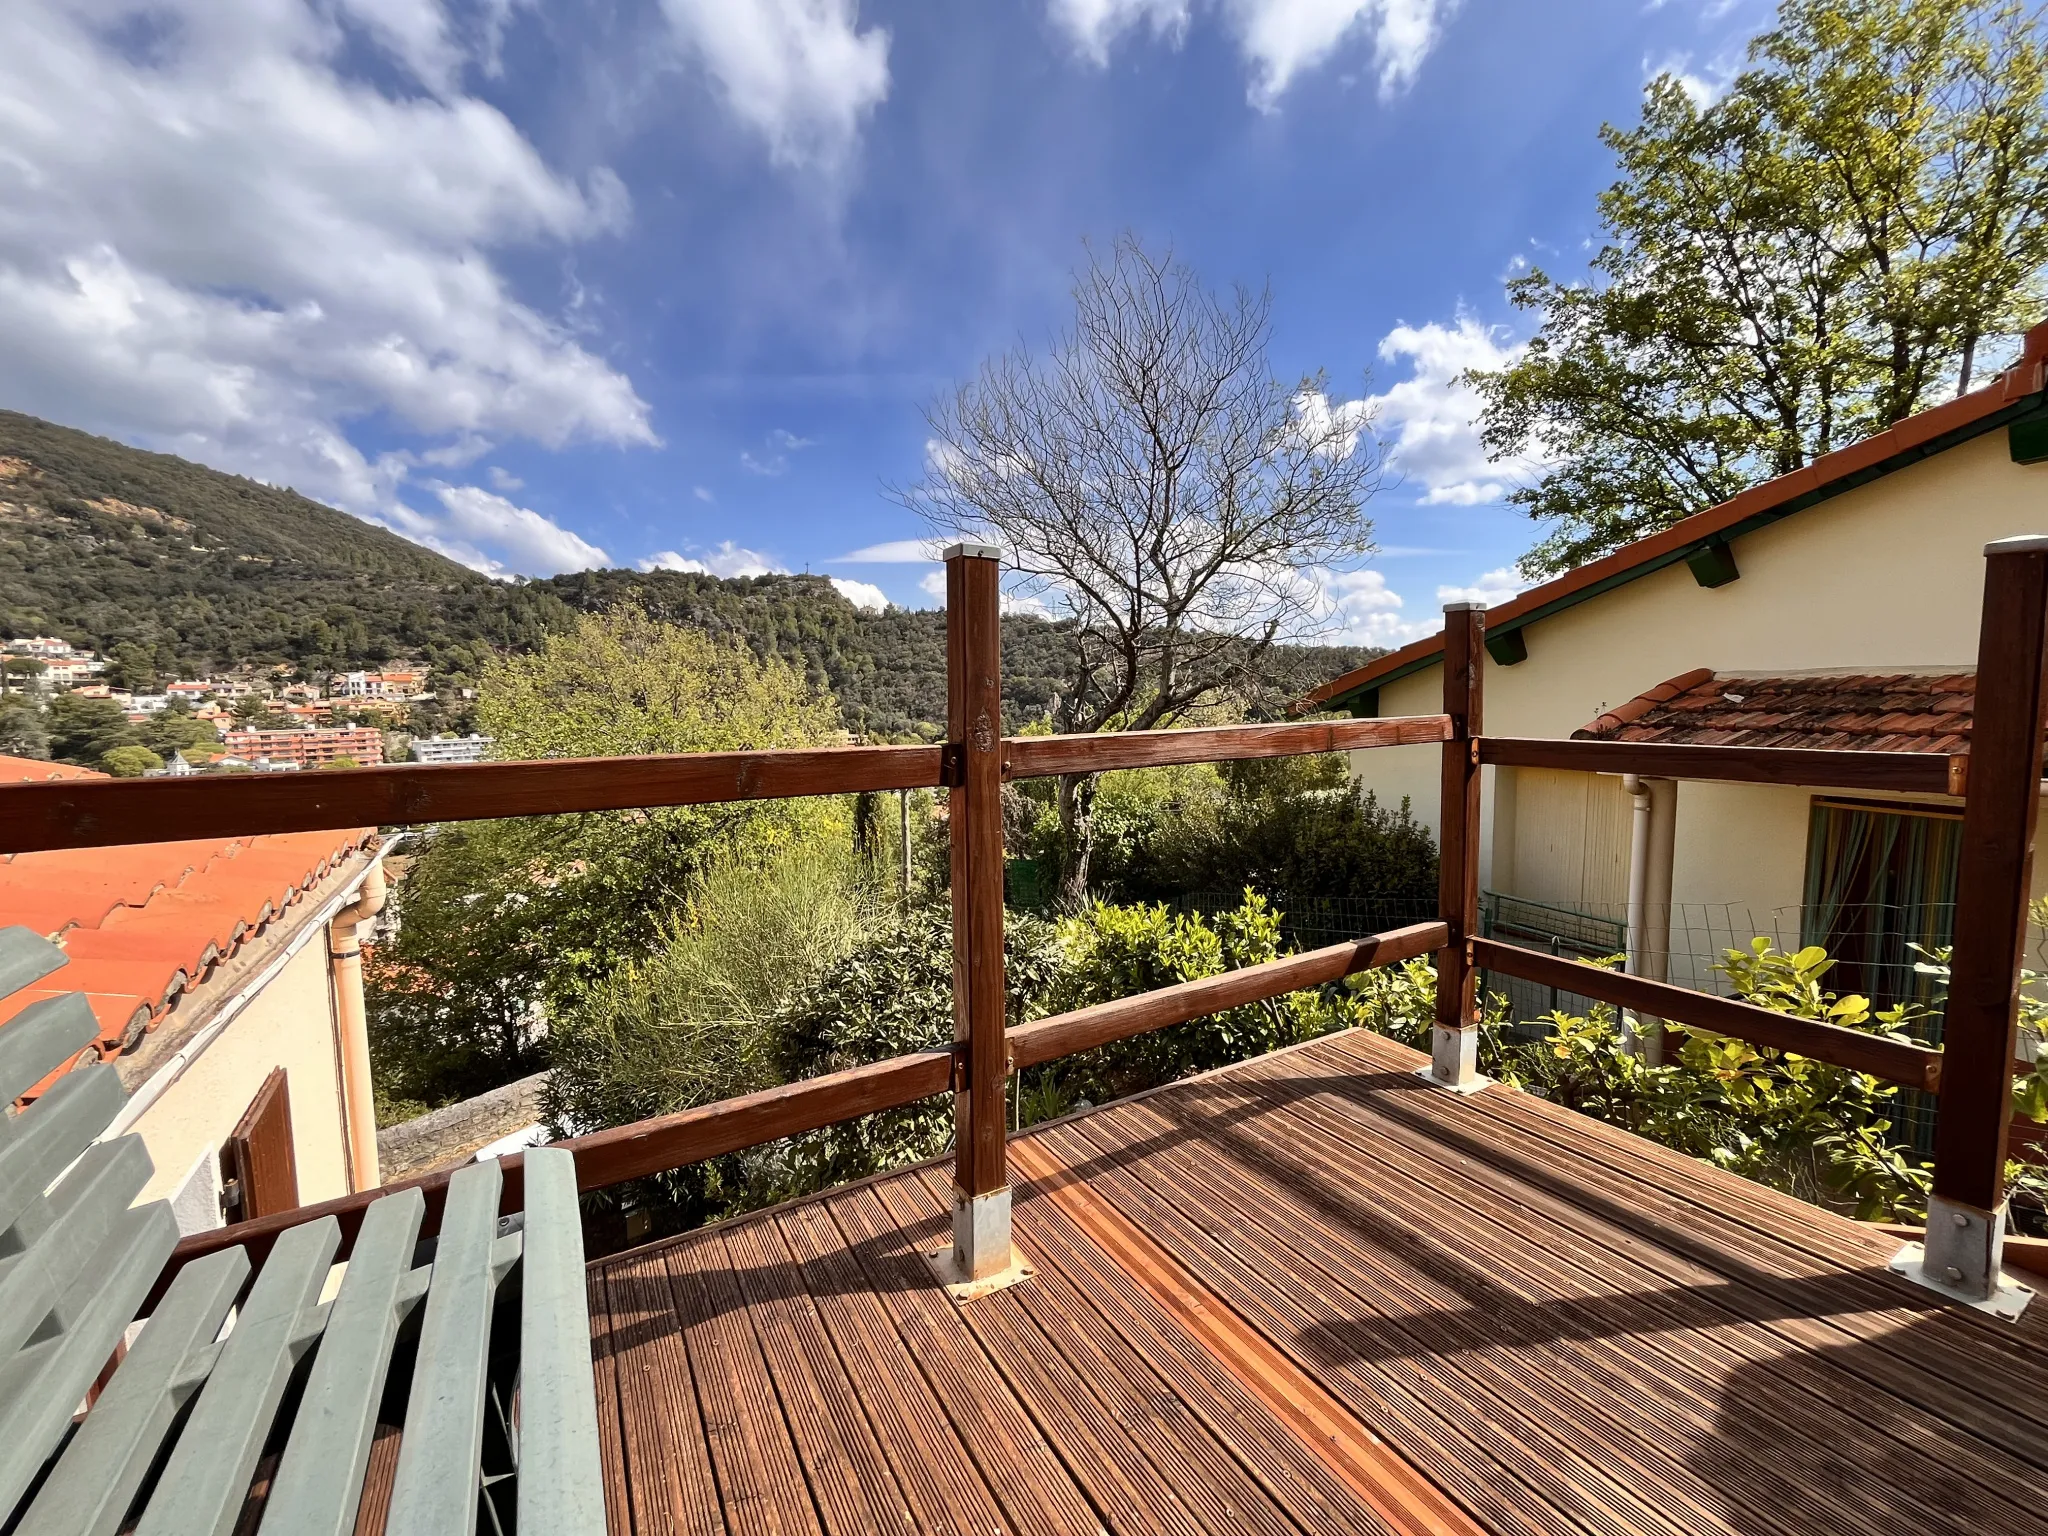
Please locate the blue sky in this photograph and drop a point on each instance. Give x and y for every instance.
(551, 283)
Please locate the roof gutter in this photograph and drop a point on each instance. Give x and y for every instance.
(161, 1081)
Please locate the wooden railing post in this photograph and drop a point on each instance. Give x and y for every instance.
(1966, 1216)
(1454, 1042)
(981, 1255)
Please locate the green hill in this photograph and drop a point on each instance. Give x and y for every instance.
(108, 545)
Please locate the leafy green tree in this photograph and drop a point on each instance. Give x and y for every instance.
(698, 1019)
(18, 674)
(84, 730)
(22, 731)
(1855, 229)
(508, 926)
(133, 667)
(130, 762)
(174, 729)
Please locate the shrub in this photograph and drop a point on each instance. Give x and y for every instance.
(130, 762)
(1814, 1130)
(1114, 952)
(892, 996)
(699, 1020)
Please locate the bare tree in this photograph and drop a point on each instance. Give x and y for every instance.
(1148, 476)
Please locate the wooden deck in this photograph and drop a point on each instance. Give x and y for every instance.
(1312, 1293)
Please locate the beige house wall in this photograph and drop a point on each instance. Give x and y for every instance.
(289, 1024)
(1884, 578)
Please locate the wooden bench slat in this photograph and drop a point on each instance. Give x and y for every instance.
(89, 1214)
(26, 957)
(51, 1132)
(440, 1460)
(43, 1384)
(95, 1479)
(40, 1039)
(206, 1480)
(320, 1481)
(561, 1490)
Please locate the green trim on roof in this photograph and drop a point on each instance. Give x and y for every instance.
(2025, 407)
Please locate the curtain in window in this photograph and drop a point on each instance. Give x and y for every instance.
(1877, 884)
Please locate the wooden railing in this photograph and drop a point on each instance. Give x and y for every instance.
(1972, 1075)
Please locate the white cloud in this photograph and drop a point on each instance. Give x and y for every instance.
(1361, 609)
(800, 73)
(504, 480)
(1092, 25)
(783, 442)
(1429, 419)
(485, 531)
(1492, 589)
(1705, 85)
(1279, 39)
(933, 585)
(1319, 419)
(220, 242)
(862, 594)
(702, 493)
(893, 552)
(727, 559)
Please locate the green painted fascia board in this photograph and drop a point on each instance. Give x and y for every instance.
(2025, 405)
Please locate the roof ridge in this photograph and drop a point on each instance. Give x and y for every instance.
(2028, 376)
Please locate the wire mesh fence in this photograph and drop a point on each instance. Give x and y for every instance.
(1872, 944)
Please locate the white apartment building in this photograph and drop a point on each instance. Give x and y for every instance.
(451, 749)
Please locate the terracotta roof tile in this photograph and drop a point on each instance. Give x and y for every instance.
(1901, 713)
(142, 925)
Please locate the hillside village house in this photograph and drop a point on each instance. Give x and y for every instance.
(1836, 607)
(227, 983)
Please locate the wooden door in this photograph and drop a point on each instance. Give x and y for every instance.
(260, 1176)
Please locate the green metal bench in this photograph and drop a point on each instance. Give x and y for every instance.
(476, 1343)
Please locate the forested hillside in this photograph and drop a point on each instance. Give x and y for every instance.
(104, 544)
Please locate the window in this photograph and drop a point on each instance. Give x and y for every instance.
(1880, 880)
(259, 1173)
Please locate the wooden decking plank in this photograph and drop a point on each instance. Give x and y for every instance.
(1917, 1347)
(377, 1480)
(1179, 1464)
(1667, 1404)
(1703, 1323)
(1122, 1485)
(1400, 1274)
(849, 1475)
(934, 1471)
(1420, 1317)
(1759, 1225)
(666, 1458)
(761, 1483)
(611, 1444)
(1184, 1447)
(1036, 1491)
(1729, 1364)
(1273, 1454)
(1486, 1465)
(1400, 1495)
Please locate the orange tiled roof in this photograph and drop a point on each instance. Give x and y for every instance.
(142, 926)
(1896, 712)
